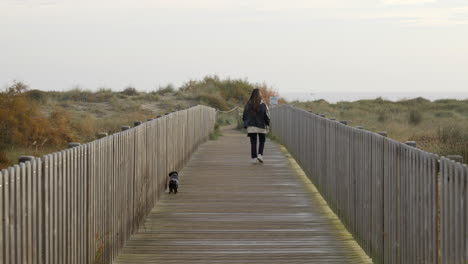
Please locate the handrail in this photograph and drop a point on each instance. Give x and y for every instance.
(82, 204)
(388, 194)
(229, 111)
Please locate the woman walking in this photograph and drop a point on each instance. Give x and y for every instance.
(256, 119)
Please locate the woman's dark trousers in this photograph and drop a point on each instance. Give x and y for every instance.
(253, 144)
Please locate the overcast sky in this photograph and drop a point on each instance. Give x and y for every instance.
(293, 45)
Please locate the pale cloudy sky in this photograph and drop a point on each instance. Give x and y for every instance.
(293, 45)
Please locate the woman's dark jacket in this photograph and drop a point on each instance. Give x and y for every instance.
(259, 119)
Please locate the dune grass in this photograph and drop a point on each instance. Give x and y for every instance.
(440, 127)
(34, 122)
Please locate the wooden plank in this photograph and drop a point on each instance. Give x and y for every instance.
(367, 221)
(81, 196)
(85, 176)
(46, 206)
(457, 210)
(424, 216)
(117, 201)
(447, 242)
(234, 217)
(378, 198)
(80, 204)
(53, 208)
(9, 257)
(3, 217)
(412, 207)
(74, 204)
(443, 210)
(60, 210)
(451, 221)
(28, 210)
(16, 212)
(38, 222)
(22, 214)
(435, 201)
(389, 205)
(54, 199)
(465, 213)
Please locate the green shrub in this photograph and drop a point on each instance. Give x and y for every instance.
(76, 94)
(272, 137)
(452, 105)
(453, 133)
(103, 95)
(232, 91)
(216, 133)
(130, 91)
(165, 90)
(223, 120)
(214, 100)
(453, 140)
(443, 114)
(153, 96)
(3, 160)
(37, 95)
(382, 116)
(415, 117)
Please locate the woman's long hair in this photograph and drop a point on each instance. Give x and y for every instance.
(255, 100)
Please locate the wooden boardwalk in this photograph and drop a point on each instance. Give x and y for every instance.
(230, 211)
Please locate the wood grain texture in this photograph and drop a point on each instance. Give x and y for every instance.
(69, 206)
(454, 215)
(231, 211)
(383, 191)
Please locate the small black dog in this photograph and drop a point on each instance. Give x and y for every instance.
(173, 182)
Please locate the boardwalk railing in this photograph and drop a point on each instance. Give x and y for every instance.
(388, 194)
(82, 204)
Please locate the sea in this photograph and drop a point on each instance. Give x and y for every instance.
(350, 97)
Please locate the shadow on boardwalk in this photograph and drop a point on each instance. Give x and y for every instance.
(230, 211)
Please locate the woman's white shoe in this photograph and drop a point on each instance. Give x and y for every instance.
(254, 161)
(260, 158)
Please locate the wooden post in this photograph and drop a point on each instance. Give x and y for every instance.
(125, 128)
(344, 122)
(102, 134)
(457, 158)
(137, 123)
(73, 144)
(25, 158)
(411, 143)
(383, 133)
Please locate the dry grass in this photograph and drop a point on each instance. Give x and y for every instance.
(40, 122)
(439, 127)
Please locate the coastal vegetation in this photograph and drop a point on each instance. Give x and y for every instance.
(439, 126)
(35, 122)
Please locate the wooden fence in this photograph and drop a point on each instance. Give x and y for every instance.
(388, 194)
(82, 204)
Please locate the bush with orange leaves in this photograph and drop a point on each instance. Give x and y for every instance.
(22, 124)
(267, 92)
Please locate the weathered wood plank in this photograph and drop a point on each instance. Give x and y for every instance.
(253, 213)
(3, 237)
